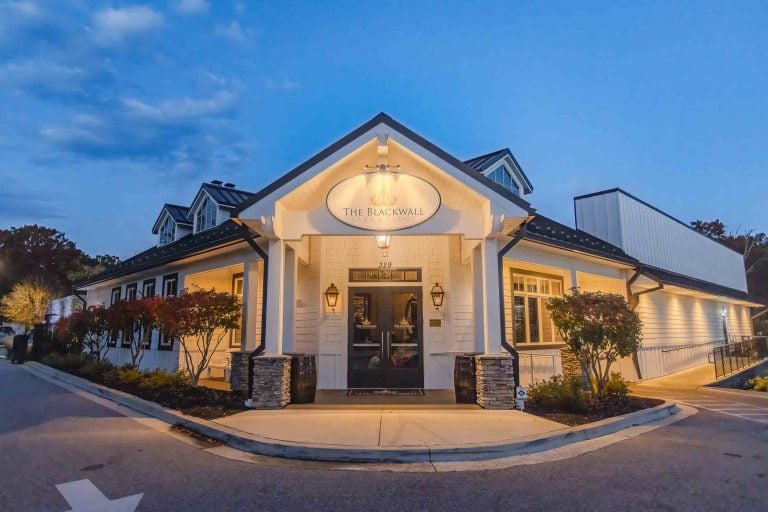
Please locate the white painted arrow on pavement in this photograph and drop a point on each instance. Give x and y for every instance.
(84, 496)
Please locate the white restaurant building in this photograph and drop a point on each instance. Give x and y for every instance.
(388, 221)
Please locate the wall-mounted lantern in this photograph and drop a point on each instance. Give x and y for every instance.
(382, 241)
(438, 295)
(332, 296)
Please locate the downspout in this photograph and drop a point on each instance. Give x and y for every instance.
(248, 236)
(633, 303)
(77, 293)
(504, 343)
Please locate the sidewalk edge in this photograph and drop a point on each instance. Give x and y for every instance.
(270, 447)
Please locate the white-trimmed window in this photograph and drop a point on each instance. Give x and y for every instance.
(503, 177)
(205, 218)
(531, 320)
(167, 231)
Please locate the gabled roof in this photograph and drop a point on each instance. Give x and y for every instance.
(186, 246)
(177, 213)
(673, 279)
(385, 119)
(545, 230)
(483, 162)
(227, 197)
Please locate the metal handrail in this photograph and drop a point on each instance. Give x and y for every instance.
(693, 345)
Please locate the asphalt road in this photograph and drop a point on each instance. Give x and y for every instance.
(49, 436)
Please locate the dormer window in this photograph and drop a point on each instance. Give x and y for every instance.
(167, 231)
(205, 217)
(503, 177)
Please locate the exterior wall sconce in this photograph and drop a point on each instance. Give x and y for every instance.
(332, 296)
(438, 295)
(382, 241)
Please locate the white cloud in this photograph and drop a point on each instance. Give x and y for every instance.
(183, 109)
(114, 25)
(233, 32)
(191, 6)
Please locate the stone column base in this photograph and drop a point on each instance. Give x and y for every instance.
(238, 377)
(495, 381)
(572, 368)
(271, 382)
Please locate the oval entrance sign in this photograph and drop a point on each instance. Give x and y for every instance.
(383, 201)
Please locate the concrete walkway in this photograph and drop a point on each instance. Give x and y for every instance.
(389, 427)
(691, 378)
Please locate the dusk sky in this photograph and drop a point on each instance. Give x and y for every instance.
(110, 109)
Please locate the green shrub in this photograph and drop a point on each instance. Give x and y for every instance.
(616, 386)
(129, 376)
(758, 383)
(163, 379)
(558, 393)
(70, 363)
(78, 364)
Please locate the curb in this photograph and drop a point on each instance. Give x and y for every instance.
(337, 453)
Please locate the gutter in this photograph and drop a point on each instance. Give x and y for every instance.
(248, 236)
(504, 343)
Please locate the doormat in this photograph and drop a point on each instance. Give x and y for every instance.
(385, 392)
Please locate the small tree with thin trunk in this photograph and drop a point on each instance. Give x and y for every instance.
(598, 328)
(133, 321)
(85, 329)
(200, 320)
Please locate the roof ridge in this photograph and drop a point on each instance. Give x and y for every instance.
(222, 187)
(487, 154)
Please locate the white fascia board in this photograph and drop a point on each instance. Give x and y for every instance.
(265, 207)
(499, 203)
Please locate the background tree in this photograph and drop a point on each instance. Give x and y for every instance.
(200, 320)
(38, 252)
(27, 303)
(752, 245)
(598, 328)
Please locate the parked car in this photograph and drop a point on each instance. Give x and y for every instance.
(6, 337)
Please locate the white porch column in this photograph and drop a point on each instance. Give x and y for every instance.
(273, 337)
(485, 271)
(289, 298)
(251, 306)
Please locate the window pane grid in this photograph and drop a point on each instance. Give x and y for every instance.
(532, 322)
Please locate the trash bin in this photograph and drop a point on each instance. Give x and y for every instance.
(464, 379)
(19, 350)
(303, 379)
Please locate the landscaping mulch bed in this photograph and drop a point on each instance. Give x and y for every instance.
(595, 411)
(201, 402)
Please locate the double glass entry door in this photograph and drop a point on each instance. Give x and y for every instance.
(385, 338)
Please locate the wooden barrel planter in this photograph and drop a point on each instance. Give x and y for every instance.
(303, 379)
(464, 379)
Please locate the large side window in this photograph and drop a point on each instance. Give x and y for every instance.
(170, 289)
(130, 291)
(531, 321)
(235, 339)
